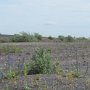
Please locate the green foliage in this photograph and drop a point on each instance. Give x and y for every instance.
(77, 74)
(38, 36)
(69, 38)
(15, 38)
(10, 49)
(41, 62)
(26, 37)
(82, 39)
(26, 87)
(66, 39)
(50, 38)
(61, 38)
(10, 74)
(56, 69)
(25, 70)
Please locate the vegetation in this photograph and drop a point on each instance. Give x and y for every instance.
(45, 65)
(66, 39)
(26, 37)
(50, 38)
(41, 62)
(61, 38)
(10, 75)
(69, 39)
(82, 39)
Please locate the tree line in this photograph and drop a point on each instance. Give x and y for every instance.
(36, 37)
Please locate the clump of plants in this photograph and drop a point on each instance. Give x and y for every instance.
(26, 37)
(41, 62)
(38, 36)
(10, 75)
(61, 38)
(66, 39)
(74, 74)
(69, 38)
(77, 74)
(50, 38)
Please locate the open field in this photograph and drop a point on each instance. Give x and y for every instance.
(73, 59)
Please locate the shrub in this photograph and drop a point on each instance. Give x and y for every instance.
(38, 36)
(23, 37)
(82, 39)
(41, 62)
(16, 38)
(50, 38)
(61, 38)
(69, 38)
(26, 37)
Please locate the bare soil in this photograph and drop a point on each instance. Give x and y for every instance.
(69, 55)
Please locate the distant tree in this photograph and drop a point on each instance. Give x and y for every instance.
(50, 38)
(61, 38)
(38, 36)
(26, 37)
(69, 38)
(81, 38)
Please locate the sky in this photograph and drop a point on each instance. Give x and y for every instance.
(46, 17)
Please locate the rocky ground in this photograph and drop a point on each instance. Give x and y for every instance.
(71, 56)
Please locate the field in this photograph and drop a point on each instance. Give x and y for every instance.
(71, 60)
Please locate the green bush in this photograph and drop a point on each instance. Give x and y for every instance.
(82, 39)
(69, 38)
(38, 36)
(16, 38)
(50, 38)
(26, 37)
(41, 62)
(61, 38)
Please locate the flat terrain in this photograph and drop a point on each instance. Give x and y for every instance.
(71, 56)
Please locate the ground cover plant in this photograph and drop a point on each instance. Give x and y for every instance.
(45, 66)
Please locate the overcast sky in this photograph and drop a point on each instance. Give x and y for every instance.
(47, 17)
